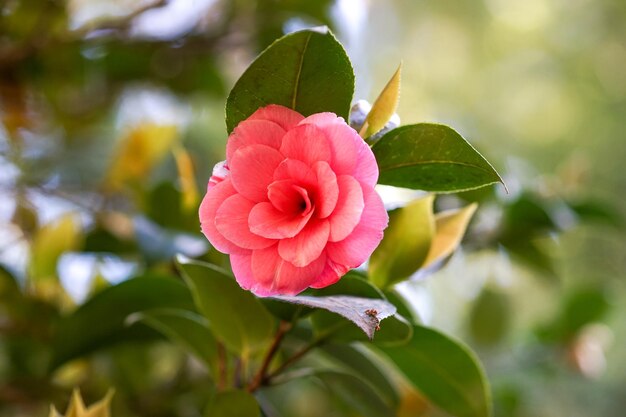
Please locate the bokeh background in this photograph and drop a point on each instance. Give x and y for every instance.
(111, 118)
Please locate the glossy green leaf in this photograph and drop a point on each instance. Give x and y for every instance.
(364, 366)
(384, 107)
(237, 403)
(355, 394)
(406, 243)
(445, 371)
(186, 328)
(235, 315)
(100, 322)
(393, 330)
(431, 157)
(307, 71)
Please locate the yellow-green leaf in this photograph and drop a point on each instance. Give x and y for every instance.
(76, 408)
(139, 151)
(384, 107)
(51, 241)
(450, 227)
(54, 412)
(101, 408)
(186, 178)
(406, 243)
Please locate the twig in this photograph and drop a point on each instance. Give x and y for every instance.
(117, 23)
(260, 376)
(222, 371)
(295, 358)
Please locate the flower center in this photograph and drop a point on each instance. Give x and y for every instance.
(289, 197)
(305, 204)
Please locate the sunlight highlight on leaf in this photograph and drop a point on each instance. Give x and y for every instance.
(450, 228)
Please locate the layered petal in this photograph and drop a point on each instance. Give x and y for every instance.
(231, 220)
(220, 172)
(301, 173)
(327, 189)
(307, 245)
(283, 116)
(331, 274)
(241, 263)
(252, 170)
(289, 198)
(275, 276)
(214, 197)
(342, 138)
(356, 248)
(350, 152)
(366, 170)
(254, 132)
(347, 213)
(267, 221)
(306, 143)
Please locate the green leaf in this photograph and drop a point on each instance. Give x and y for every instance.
(490, 316)
(445, 371)
(237, 403)
(235, 315)
(384, 107)
(450, 228)
(186, 328)
(431, 157)
(405, 245)
(366, 367)
(364, 312)
(393, 330)
(356, 394)
(100, 321)
(307, 71)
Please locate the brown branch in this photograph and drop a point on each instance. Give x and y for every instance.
(116, 23)
(222, 371)
(294, 358)
(260, 376)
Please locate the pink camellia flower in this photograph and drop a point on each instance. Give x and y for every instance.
(294, 203)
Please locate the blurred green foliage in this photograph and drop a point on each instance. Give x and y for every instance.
(538, 85)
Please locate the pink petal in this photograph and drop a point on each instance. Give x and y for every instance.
(231, 220)
(301, 173)
(220, 172)
(276, 276)
(349, 208)
(214, 197)
(366, 170)
(342, 138)
(327, 190)
(264, 263)
(306, 143)
(307, 245)
(252, 170)
(241, 264)
(251, 132)
(351, 155)
(267, 221)
(289, 198)
(330, 275)
(356, 248)
(283, 116)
